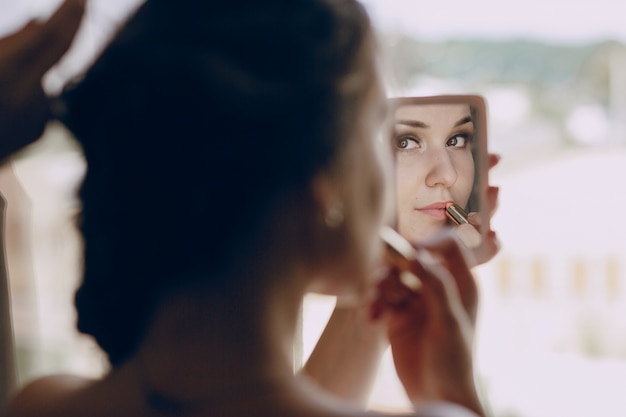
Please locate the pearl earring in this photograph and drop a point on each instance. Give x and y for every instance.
(334, 215)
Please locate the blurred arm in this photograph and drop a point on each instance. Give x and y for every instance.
(346, 358)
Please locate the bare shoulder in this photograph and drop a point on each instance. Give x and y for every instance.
(47, 396)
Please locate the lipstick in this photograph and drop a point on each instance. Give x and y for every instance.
(435, 210)
(456, 214)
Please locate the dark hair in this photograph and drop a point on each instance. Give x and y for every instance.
(199, 113)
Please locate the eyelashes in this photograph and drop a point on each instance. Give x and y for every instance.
(410, 142)
(406, 143)
(460, 140)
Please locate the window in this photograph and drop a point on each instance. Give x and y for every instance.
(552, 330)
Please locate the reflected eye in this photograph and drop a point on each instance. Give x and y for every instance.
(459, 141)
(405, 143)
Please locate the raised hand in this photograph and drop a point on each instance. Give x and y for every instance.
(431, 330)
(490, 245)
(25, 57)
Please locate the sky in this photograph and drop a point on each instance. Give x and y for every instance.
(554, 21)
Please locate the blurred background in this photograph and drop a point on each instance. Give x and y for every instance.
(552, 331)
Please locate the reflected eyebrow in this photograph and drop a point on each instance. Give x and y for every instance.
(412, 123)
(464, 120)
(420, 124)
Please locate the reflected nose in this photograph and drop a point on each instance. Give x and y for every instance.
(441, 170)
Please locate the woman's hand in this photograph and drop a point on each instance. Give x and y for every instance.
(490, 245)
(431, 330)
(25, 57)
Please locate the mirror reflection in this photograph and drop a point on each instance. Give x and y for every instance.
(439, 149)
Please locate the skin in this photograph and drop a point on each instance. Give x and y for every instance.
(216, 374)
(434, 165)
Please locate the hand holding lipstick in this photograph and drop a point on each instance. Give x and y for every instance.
(490, 245)
(431, 330)
(483, 248)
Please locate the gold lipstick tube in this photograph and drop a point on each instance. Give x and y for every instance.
(457, 214)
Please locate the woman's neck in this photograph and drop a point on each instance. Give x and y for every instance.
(202, 346)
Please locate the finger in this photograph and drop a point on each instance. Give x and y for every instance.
(494, 158)
(51, 39)
(457, 258)
(492, 199)
(474, 218)
(394, 292)
(488, 250)
(468, 235)
(490, 244)
(440, 294)
(391, 294)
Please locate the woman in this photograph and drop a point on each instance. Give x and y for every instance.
(232, 167)
(434, 164)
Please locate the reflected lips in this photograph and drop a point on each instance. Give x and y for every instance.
(435, 210)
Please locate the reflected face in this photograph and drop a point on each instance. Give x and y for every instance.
(434, 164)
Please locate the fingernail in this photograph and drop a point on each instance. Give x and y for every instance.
(410, 281)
